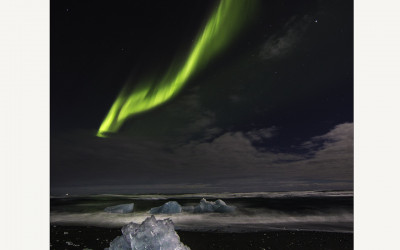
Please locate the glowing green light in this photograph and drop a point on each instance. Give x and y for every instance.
(223, 24)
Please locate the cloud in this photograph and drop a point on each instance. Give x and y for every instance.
(177, 122)
(337, 143)
(281, 44)
(333, 152)
(226, 161)
(261, 134)
(235, 98)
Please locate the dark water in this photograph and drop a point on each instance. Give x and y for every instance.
(280, 220)
(312, 211)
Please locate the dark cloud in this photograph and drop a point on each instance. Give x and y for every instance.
(179, 121)
(262, 134)
(280, 44)
(221, 163)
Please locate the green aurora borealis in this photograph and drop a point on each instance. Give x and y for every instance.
(225, 22)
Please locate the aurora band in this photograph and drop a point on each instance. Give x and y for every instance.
(225, 22)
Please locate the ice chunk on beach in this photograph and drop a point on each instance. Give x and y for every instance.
(120, 209)
(219, 206)
(120, 243)
(171, 207)
(151, 234)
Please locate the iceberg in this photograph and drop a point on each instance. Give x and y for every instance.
(119, 243)
(219, 206)
(120, 209)
(171, 207)
(151, 234)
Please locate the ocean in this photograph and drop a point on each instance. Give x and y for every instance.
(302, 220)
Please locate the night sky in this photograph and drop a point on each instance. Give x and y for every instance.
(272, 112)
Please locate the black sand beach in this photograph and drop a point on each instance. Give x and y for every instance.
(75, 237)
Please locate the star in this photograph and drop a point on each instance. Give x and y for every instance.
(316, 21)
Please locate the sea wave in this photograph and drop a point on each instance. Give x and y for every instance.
(339, 221)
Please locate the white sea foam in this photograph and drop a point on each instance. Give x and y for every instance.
(206, 222)
(244, 218)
